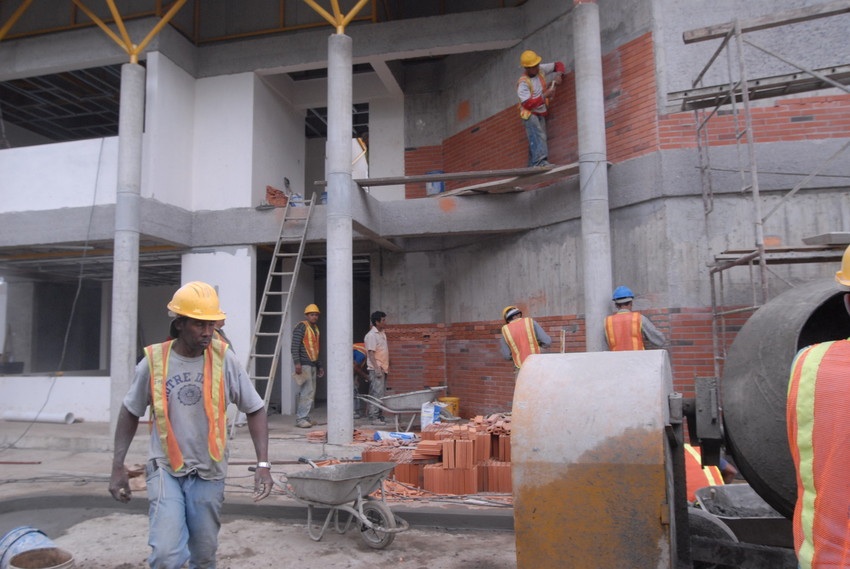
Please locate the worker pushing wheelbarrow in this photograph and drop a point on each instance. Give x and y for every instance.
(347, 488)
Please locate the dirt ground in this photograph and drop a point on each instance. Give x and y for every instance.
(119, 541)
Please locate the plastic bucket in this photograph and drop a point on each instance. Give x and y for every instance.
(453, 404)
(28, 548)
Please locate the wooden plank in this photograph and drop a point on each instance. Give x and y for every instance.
(514, 183)
(443, 177)
(771, 21)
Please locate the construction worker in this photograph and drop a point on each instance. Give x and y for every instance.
(627, 330)
(521, 336)
(818, 430)
(699, 476)
(188, 383)
(361, 376)
(305, 356)
(534, 94)
(377, 363)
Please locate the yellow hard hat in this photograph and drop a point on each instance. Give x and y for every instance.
(510, 311)
(312, 308)
(843, 276)
(529, 58)
(196, 300)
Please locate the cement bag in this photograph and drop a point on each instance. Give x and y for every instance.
(430, 413)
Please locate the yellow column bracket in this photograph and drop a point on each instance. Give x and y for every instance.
(15, 17)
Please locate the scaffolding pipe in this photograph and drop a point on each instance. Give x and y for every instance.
(340, 280)
(125, 270)
(593, 172)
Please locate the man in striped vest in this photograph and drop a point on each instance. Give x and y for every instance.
(627, 330)
(818, 420)
(521, 337)
(188, 382)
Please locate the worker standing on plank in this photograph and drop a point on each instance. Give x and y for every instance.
(818, 428)
(627, 330)
(534, 94)
(521, 337)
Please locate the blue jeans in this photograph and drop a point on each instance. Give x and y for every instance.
(538, 147)
(184, 518)
(306, 392)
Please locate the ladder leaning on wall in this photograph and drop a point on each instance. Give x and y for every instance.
(266, 340)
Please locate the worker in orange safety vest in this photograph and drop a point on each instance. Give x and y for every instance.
(521, 337)
(698, 476)
(818, 429)
(626, 330)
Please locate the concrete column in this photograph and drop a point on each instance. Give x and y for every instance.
(125, 271)
(593, 172)
(340, 249)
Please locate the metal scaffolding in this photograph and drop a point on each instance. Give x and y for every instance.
(736, 94)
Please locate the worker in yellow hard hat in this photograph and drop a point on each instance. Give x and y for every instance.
(521, 336)
(188, 382)
(535, 91)
(818, 429)
(305, 356)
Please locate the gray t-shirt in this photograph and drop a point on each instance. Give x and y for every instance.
(185, 394)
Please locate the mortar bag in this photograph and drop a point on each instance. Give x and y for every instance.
(301, 378)
(430, 414)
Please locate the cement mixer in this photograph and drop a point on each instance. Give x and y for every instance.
(755, 382)
(598, 467)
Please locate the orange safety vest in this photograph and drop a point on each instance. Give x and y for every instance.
(215, 402)
(523, 112)
(521, 339)
(818, 428)
(361, 347)
(311, 341)
(623, 331)
(698, 476)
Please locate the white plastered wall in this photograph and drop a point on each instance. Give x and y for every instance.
(386, 145)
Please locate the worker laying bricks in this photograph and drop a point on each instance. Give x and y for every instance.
(521, 337)
(534, 94)
(818, 428)
(627, 330)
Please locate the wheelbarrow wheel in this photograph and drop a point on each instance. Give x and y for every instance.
(380, 515)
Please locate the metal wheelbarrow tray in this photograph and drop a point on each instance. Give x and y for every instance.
(404, 403)
(346, 487)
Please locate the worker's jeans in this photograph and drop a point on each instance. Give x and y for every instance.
(377, 389)
(538, 147)
(306, 383)
(184, 520)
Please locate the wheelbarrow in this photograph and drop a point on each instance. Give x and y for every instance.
(407, 403)
(346, 488)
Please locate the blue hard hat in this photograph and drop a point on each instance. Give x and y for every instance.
(622, 293)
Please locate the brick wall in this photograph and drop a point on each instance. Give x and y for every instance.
(786, 120)
(465, 356)
(418, 161)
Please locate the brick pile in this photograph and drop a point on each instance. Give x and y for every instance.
(452, 458)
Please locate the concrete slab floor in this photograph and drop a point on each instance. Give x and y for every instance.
(54, 477)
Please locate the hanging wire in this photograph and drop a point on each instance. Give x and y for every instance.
(59, 369)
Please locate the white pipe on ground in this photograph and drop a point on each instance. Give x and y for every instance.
(32, 416)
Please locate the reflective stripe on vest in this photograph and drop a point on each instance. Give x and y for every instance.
(361, 347)
(521, 339)
(698, 476)
(523, 112)
(623, 332)
(311, 341)
(818, 424)
(215, 402)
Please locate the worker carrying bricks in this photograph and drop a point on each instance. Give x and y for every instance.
(627, 330)
(521, 336)
(535, 89)
(818, 429)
